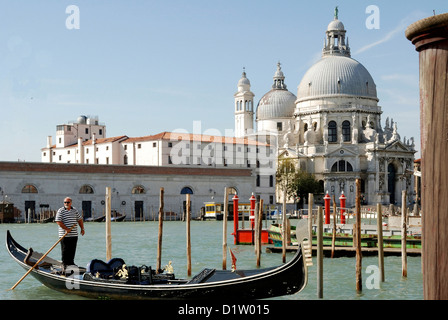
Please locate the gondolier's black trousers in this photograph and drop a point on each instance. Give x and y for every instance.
(68, 250)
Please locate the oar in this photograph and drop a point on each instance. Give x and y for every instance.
(42, 258)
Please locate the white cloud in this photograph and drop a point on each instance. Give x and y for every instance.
(399, 29)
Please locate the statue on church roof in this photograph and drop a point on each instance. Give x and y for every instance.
(336, 11)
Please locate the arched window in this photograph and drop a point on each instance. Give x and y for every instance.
(232, 190)
(342, 166)
(29, 188)
(332, 131)
(346, 133)
(138, 190)
(186, 190)
(86, 189)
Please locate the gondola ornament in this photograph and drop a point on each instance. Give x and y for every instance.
(304, 238)
(233, 260)
(123, 272)
(169, 268)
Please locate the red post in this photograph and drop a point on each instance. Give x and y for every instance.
(252, 211)
(342, 199)
(327, 208)
(235, 218)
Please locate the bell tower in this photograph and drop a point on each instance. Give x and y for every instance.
(244, 108)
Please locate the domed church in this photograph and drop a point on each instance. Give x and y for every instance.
(332, 128)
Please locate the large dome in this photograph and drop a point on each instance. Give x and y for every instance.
(336, 75)
(276, 104)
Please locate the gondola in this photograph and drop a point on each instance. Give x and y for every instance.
(48, 220)
(99, 219)
(100, 280)
(118, 219)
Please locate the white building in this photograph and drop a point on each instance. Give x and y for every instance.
(36, 187)
(78, 143)
(333, 127)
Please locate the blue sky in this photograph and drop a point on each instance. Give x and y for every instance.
(144, 67)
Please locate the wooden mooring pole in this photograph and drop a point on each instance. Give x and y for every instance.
(259, 230)
(224, 228)
(108, 225)
(358, 237)
(404, 260)
(333, 238)
(255, 227)
(430, 37)
(379, 226)
(159, 242)
(284, 227)
(188, 218)
(310, 217)
(320, 253)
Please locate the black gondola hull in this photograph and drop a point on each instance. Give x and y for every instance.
(288, 278)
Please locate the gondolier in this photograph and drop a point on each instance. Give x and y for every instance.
(66, 217)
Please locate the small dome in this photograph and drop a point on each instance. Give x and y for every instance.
(335, 25)
(243, 83)
(276, 104)
(279, 72)
(82, 119)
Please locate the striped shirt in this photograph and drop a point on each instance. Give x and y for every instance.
(68, 218)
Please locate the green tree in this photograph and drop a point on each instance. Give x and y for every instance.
(296, 182)
(285, 176)
(305, 183)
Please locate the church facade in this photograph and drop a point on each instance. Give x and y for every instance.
(333, 127)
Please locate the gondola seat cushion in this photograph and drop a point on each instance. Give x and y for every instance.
(104, 269)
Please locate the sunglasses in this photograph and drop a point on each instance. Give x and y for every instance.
(67, 201)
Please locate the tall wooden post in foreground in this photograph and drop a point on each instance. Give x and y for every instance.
(430, 37)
